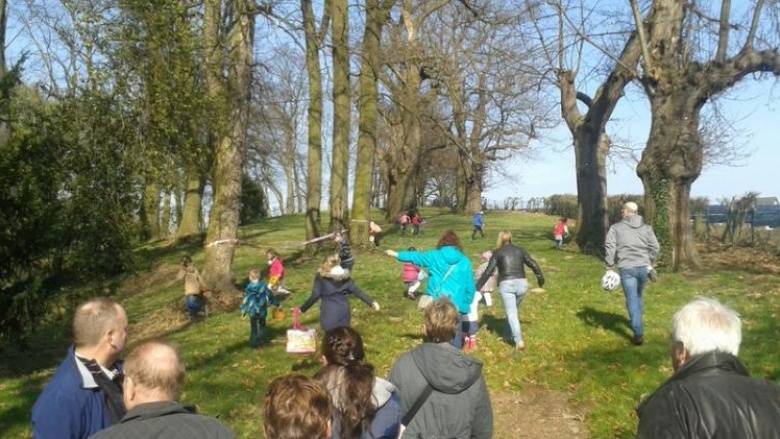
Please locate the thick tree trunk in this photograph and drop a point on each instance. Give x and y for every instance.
(314, 121)
(474, 191)
(366, 148)
(165, 217)
(221, 239)
(591, 159)
(151, 214)
(339, 171)
(289, 176)
(191, 214)
(397, 185)
(670, 164)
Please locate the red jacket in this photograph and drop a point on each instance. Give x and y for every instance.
(277, 269)
(410, 272)
(416, 220)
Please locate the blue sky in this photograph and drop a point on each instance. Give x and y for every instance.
(753, 108)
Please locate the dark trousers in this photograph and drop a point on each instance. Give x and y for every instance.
(477, 229)
(416, 230)
(257, 331)
(194, 304)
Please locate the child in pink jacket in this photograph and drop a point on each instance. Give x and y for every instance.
(410, 274)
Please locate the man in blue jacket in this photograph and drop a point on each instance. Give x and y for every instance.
(85, 394)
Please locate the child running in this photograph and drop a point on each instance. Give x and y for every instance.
(333, 285)
(257, 297)
(410, 275)
(276, 274)
(486, 292)
(560, 231)
(193, 287)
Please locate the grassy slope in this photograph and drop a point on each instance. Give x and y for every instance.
(577, 335)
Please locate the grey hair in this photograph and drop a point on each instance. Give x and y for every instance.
(631, 207)
(705, 325)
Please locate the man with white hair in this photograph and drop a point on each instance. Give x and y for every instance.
(85, 393)
(154, 374)
(710, 394)
(633, 247)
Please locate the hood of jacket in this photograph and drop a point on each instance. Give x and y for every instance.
(634, 221)
(451, 254)
(447, 369)
(382, 391)
(337, 273)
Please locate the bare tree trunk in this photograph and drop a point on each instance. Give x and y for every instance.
(165, 217)
(590, 151)
(339, 171)
(289, 175)
(5, 132)
(376, 15)
(314, 158)
(221, 239)
(474, 191)
(151, 215)
(191, 213)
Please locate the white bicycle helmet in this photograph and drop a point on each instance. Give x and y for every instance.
(610, 281)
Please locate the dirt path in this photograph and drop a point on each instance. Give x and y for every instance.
(537, 413)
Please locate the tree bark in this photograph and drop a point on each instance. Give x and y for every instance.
(5, 131)
(165, 216)
(151, 211)
(221, 239)
(339, 171)
(376, 16)
(191, 214)
(314, 121)
(590, 155)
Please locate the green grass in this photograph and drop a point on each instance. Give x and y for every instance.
(577, 335)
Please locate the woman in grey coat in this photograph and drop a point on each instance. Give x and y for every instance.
(459, 405)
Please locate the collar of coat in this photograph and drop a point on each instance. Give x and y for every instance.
(710, 362)
(155, 410)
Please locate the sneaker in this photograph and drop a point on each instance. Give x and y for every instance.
(638, 340)
(520, 346)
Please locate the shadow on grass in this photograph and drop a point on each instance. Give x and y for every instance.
(410, 336)
(496, 325)
(17, 414)
(610, 321)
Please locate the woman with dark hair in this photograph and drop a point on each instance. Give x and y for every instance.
(364, 406)
(449, 271)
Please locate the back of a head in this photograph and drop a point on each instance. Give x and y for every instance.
(156, 366)
(349, 380)
(328, 264)
(441, 319)
(705, 325)
(93, 319)
(296, 407)
(449, 238)
(504, 238)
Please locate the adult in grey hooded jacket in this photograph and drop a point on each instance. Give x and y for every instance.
(459, 405)
(632, 246)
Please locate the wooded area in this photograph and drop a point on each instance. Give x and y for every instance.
(125, 121)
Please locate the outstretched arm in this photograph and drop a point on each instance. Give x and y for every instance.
(491, 267)
(315, 295)
(531, 263)
(354, 289)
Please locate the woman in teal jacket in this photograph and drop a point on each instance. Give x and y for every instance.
(450, 272)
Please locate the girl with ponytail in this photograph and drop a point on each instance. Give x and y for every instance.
(365, 406)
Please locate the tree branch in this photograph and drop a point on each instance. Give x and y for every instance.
(723, 31)
(640, 27)
(748, 61)
(612, 89)
(753, 27)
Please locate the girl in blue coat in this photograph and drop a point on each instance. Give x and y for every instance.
(450, 272)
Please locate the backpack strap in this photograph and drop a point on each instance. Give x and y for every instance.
(417, 405)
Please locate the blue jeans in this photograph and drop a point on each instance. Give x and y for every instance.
(457, 341)
(194, 304)
(513, 292)
(257, 331)
(634, 280)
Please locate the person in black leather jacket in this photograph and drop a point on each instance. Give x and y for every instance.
(510, 260)
(710, 394)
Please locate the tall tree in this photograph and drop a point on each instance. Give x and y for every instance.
(339, 170)
(377, 14)
(314, 157)
(679, 76)
(591, 143)
(221, 238)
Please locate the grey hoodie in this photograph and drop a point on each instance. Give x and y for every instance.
(631, 243)
(459, 406)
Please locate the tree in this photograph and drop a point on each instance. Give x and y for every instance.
(377, 14)
(314, 158)
(679, 76)
(591, 143)
(342, 114)
(221, 238)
